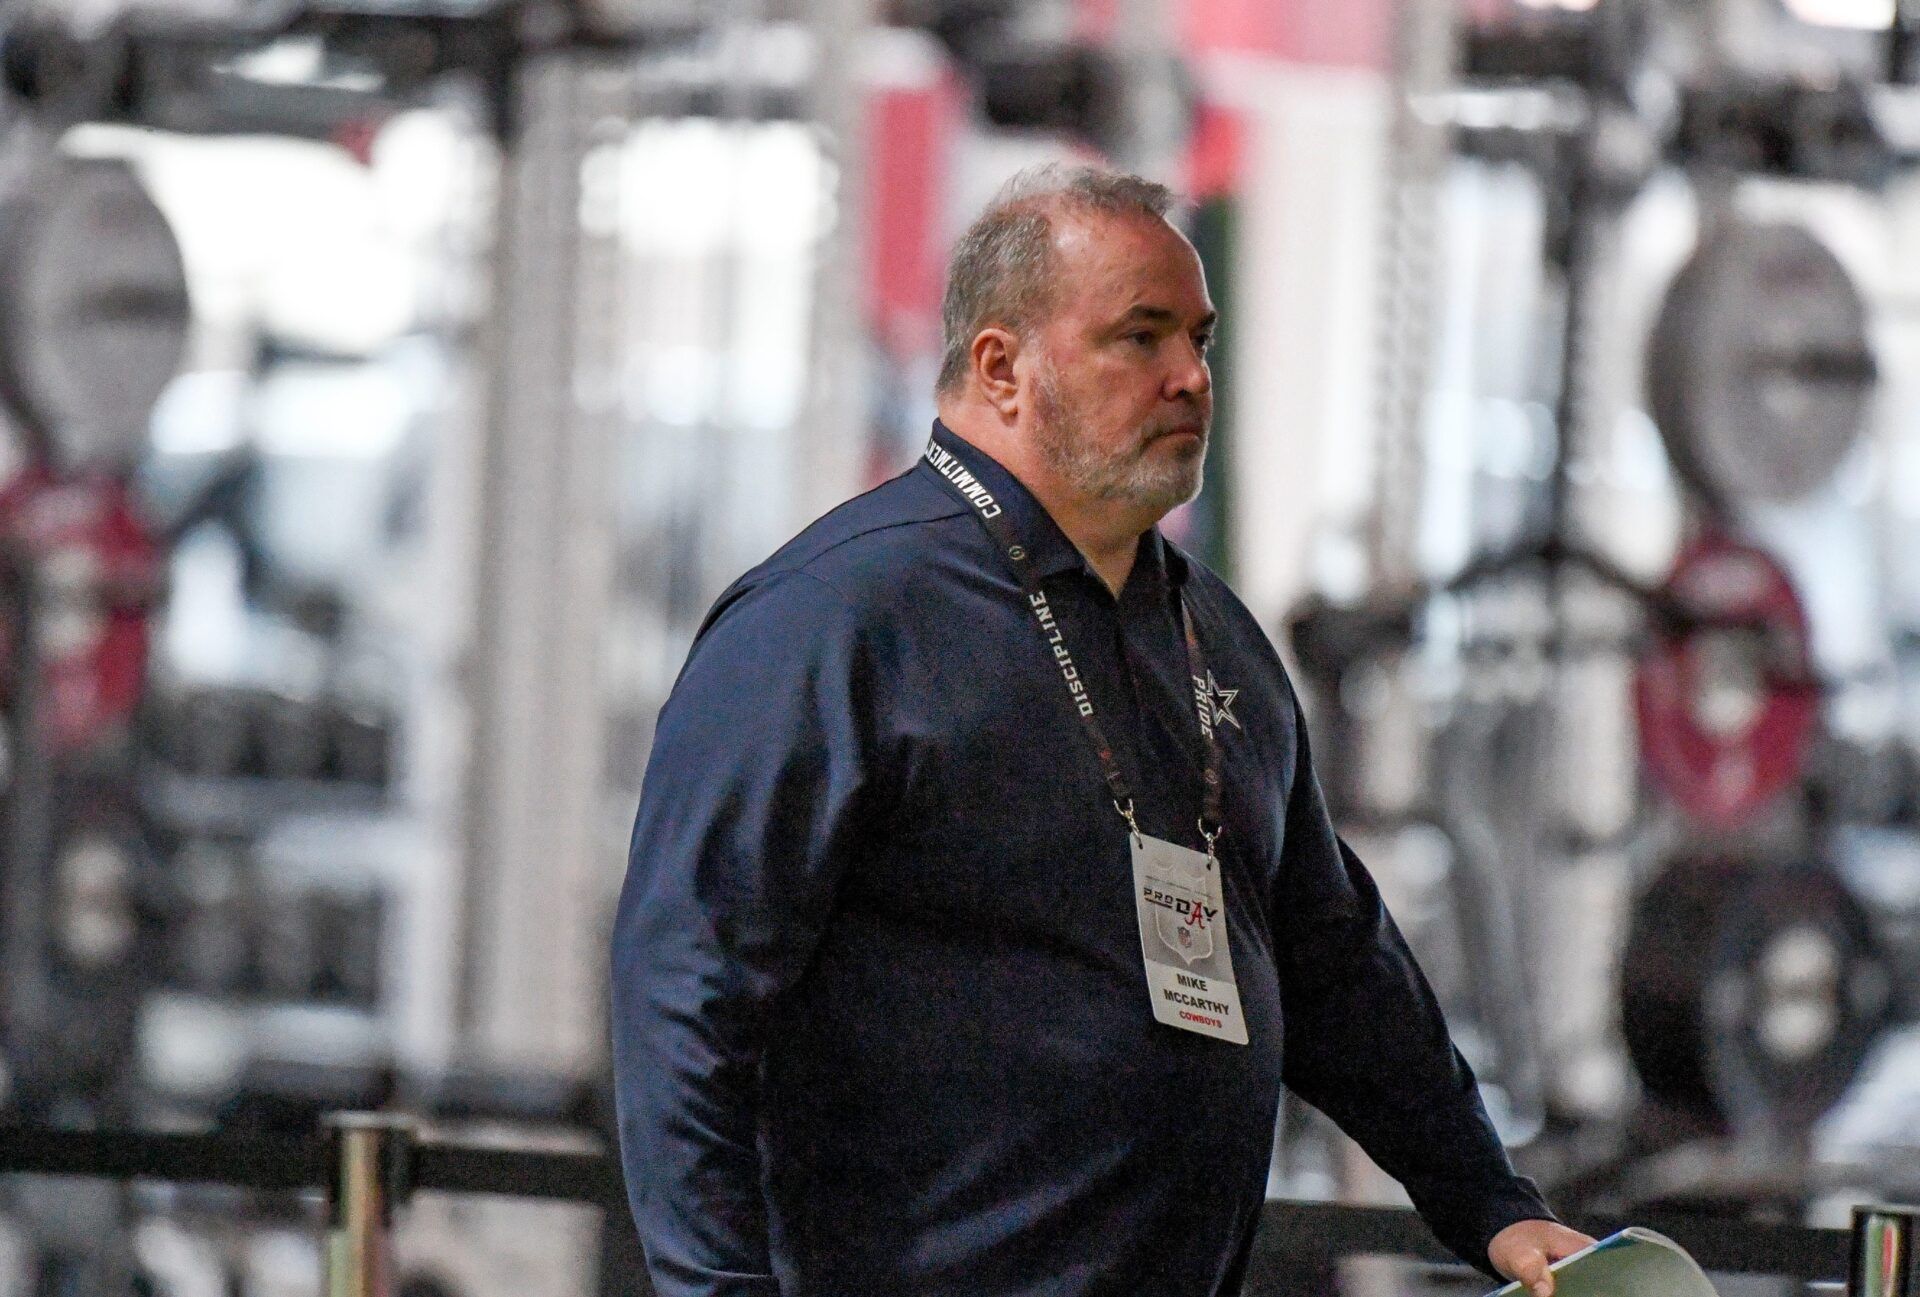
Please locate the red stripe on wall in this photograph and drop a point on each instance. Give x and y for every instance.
(1213, 155)
(1346, 33)
(911, 133)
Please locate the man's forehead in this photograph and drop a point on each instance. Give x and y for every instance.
(1110, 261)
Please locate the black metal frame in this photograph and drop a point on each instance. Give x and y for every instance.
(1292, 1234)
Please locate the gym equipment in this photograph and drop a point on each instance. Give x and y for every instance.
(361, 741)
(1748, 987)
(1759, 367)
(216, 732)
(1799, 129)
(1750, 994)
(205, 731)
(93, 319)
(93, 310)
(66, 78)
(238, 930)
(290, 736)
(77, 959)
(208, 935)
(1880, 1262)
(1860, 781)
(95, 572)
(97, 869)
(1725, 692)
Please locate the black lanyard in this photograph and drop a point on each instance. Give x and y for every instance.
(1020, 557)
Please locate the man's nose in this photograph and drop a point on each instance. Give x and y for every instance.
(1190, 376)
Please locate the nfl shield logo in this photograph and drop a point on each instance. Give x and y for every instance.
(1184, 927)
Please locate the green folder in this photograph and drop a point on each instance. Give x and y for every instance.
(1633, 1263)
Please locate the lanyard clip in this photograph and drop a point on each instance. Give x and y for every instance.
(1210, 836)
(1126, 813)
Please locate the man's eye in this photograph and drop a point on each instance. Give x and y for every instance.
(1144, 339)
(1204, 342)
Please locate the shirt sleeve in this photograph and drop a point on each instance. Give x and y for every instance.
(759, 761)
(1367, 1045)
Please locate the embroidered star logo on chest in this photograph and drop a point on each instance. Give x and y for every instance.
(1215, 700)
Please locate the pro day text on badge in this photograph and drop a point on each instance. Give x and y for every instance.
(1183, 936)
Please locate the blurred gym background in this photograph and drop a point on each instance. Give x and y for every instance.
(388, 386)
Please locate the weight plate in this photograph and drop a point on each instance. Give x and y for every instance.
(211, 733)
(1727, 703)
(1751, 994)
(207, 947)
(1759, 368)
(94, 310)
(98, 570)
(361, 740)
(93, 939)
(102, 866)
(291, 736)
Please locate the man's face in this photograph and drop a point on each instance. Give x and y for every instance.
(1120, 396)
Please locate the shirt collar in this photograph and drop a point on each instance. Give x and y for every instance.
(1052, 552)
(1161, 552)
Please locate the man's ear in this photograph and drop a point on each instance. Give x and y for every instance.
(994, 352)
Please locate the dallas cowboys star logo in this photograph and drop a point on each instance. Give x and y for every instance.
(1215, 700)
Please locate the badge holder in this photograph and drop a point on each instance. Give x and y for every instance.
(1182, 911)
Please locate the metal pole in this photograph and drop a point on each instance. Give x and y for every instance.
(835, 407)
(1418, 154)
(370, 1173)
(1881, 1260)
(542, 542)
(26, 813)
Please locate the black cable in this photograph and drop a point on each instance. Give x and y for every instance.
(270, 1162)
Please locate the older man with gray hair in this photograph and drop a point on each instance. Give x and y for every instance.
(981, 897)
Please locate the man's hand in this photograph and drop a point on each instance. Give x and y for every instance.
(1524, 1250)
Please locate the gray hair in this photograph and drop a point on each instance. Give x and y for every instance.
(1002, 270)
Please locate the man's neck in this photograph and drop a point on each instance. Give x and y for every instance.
(1106, 532)
(1105, 536)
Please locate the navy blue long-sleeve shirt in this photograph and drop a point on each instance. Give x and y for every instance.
(880, 1021)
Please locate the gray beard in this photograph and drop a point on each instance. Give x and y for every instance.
(1131, 478)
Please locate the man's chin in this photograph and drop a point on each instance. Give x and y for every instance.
(1168, 492)
(1180, 471)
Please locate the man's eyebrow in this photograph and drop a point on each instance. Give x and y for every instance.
(1144, 314)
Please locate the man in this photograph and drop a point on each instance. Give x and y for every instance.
(982, 896)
